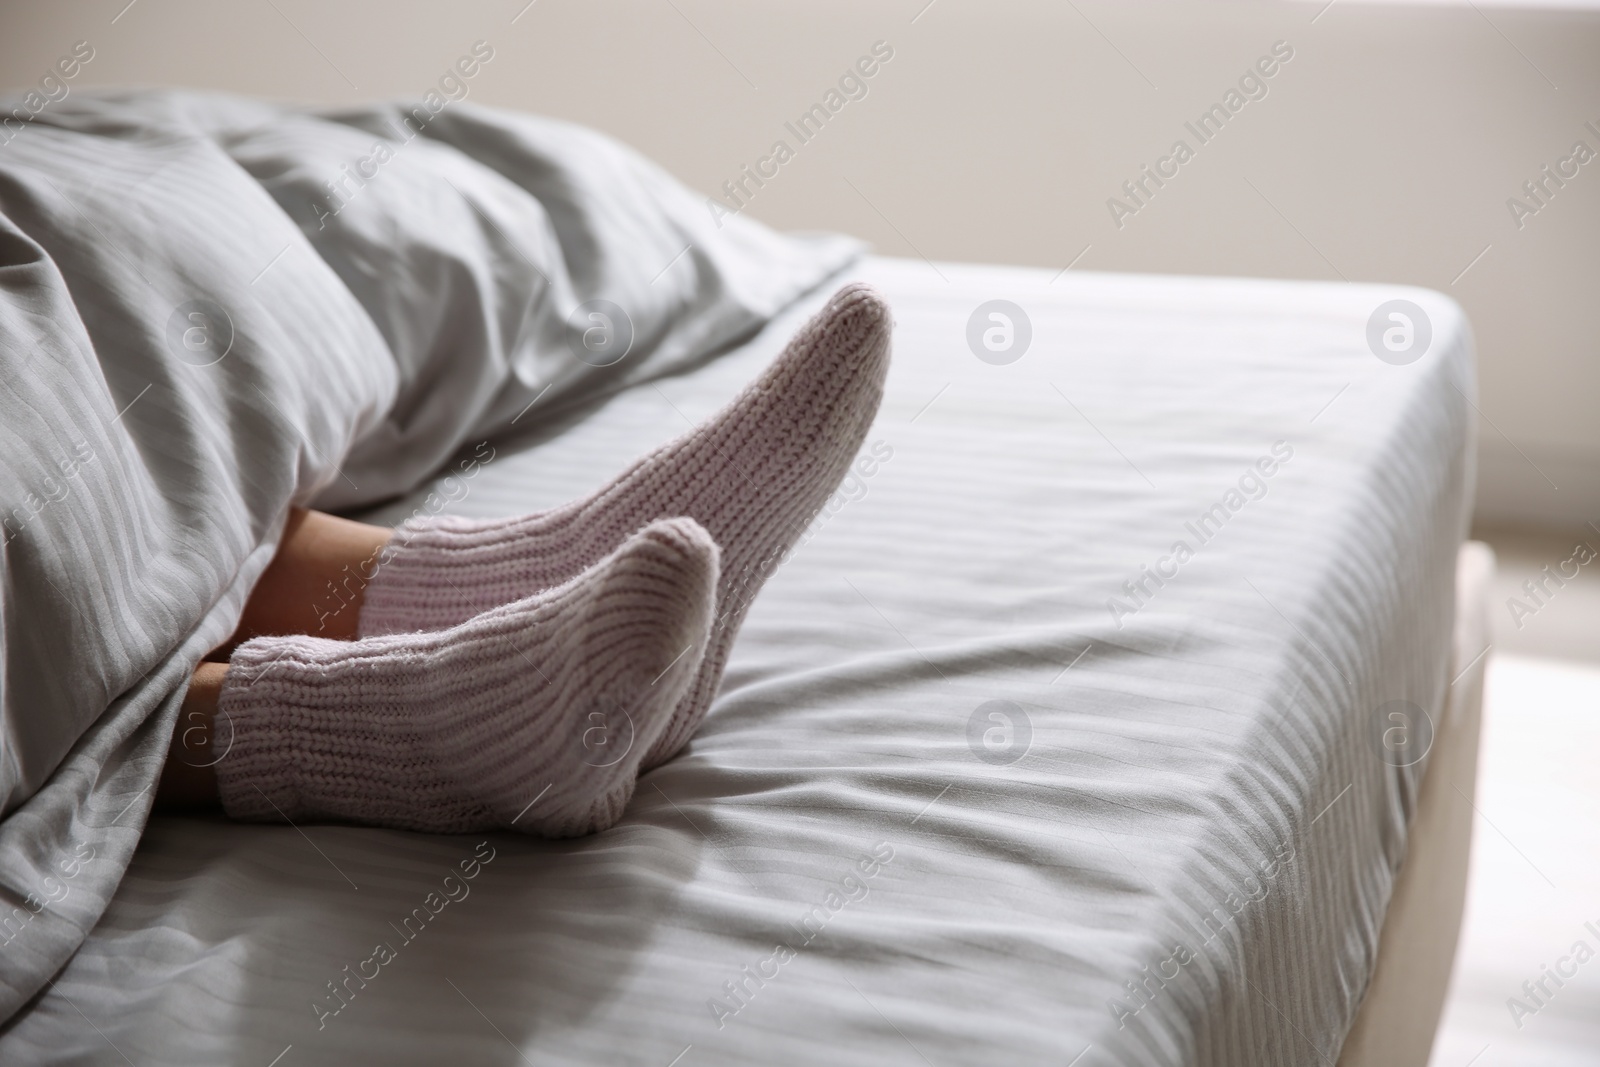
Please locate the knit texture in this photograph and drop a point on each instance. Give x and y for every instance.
(754, 476)
(532, 716)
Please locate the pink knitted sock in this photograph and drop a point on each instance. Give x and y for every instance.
(754, 475)
(532, 716)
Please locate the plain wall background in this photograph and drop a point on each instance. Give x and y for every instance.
(1385, 150)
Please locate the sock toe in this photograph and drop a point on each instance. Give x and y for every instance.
(666, 575)
(856, 310)
(652, 619)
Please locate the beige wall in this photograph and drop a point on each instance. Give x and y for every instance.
(1384, 150)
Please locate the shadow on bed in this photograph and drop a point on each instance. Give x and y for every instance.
(352, 930)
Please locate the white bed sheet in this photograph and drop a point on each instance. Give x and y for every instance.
(1218, 753)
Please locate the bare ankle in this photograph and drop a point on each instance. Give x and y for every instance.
(188, 779)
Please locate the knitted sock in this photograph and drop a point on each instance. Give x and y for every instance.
(754, 476)
(532, 716)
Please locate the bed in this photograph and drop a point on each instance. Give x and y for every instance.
(998, 773)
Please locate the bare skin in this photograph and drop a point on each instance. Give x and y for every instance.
(314, 585)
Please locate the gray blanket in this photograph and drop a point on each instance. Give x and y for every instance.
(211, 309)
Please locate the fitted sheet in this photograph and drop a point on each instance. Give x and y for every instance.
(862, 858)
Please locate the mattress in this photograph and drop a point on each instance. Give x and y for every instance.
(998, 773)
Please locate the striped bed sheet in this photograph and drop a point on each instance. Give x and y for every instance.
(1060, 739)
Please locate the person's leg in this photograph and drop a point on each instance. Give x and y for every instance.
(315, 583)
(188, 779)
(532, 716)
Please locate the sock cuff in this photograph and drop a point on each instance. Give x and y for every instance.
(408, 585)
(305, 744)
(256, 775)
